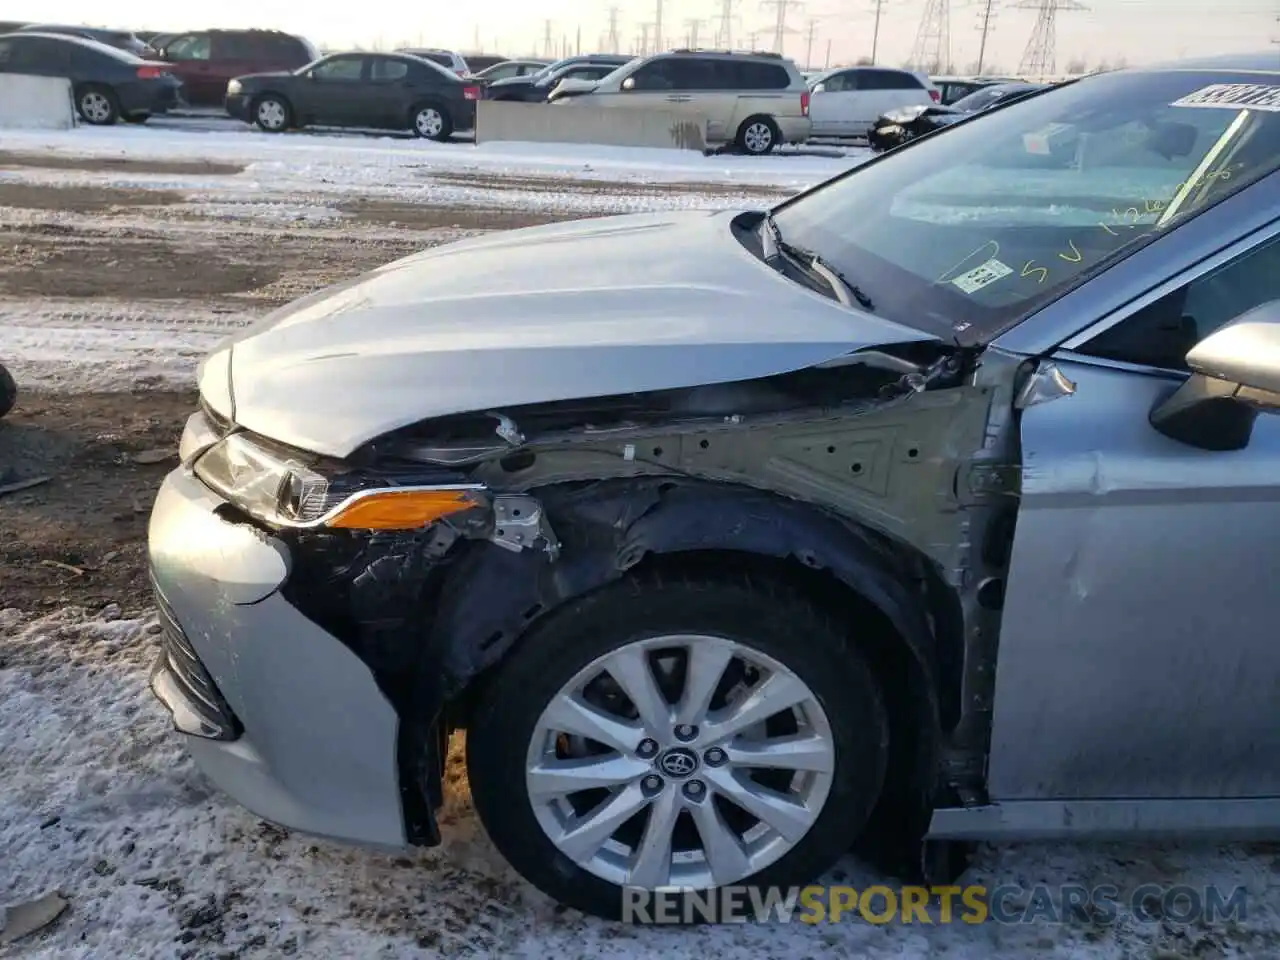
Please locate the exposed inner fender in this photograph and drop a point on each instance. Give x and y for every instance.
(491, 596)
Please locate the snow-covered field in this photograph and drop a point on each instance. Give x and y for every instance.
(122, 260)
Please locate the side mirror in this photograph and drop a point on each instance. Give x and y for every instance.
(629, 83)
(1235, 374)
(819, 88)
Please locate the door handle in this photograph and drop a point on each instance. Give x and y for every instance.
(678, 98)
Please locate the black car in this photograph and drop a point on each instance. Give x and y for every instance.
(107, 83)
(905, 124)
(8, 391)
(536, 87)
(381, 90)
(125, 40)
(476, 62)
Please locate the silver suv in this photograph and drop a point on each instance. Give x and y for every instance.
(754, 101)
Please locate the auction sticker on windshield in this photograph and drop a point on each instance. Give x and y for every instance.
(1247, 96)
(980, 276)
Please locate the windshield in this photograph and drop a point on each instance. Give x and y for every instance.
(981, 99)
(969, 230)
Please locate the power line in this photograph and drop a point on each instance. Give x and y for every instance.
(548, 45)
(984, 25)
(657, 27)
(932, 50)
(808, 47)
(1040, 59)
(724, 34)
(693, 26)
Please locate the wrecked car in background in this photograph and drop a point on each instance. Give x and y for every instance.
(904, 124)
(930, 506)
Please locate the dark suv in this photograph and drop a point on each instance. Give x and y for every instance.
(206, 60)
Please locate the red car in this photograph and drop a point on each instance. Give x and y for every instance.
(206, 60)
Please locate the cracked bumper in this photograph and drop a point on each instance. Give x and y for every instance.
(277, 713)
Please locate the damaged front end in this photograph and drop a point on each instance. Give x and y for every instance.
(882, 483)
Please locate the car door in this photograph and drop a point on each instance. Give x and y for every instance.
(1137, 653)
(390, 88)
(885, 90)
(334, 92)
(650, 87)
(37, 56)
(191, 55)
(834, 108)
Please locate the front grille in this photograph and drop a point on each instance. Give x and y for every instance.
(204, 712)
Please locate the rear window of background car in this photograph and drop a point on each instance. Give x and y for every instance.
(888, 80)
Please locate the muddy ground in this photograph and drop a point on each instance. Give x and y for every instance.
(77, 536)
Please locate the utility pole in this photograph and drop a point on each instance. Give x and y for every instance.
(753, 40)
(613, 44)
(826, 64)
(808, 47)
(1040, 59)
(875, 33)
(780, 28)
(724, 35)
(693, 26)
(984, 25)
(644, 40)
(548, 46)
(932, 50)
(577, 43)
(657, 27)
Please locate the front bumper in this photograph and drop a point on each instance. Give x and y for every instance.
(300, 733)
(237, 105)
(794, 129)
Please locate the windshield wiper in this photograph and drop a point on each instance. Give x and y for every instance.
(845, 290)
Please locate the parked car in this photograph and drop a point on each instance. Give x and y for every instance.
(11, 26)
(377, 90)
(8, 391)
(904, 124)
(449, 59)
(536, 87)
(951, 89)
(754, 101)
(847, 101)
(124, 40)
(730, 537)
(508, 69)
(206, 60)
(107, 83)
(479, 62)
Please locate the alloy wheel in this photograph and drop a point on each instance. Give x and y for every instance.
(758, 137)
(680, 761)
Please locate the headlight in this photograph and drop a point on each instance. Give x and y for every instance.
(285, 492)
(904, 114)
(233, 87)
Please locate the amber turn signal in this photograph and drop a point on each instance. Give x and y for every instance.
(400, 509)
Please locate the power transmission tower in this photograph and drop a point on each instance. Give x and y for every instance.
(932, 49)
(548, 45)
(693, 26)
(657, 26)
(613, 44)
(984, 27)
(1040, 59)
(724, 34)
(780, 28)
(644, 41)
(875, 33)
(753, 40)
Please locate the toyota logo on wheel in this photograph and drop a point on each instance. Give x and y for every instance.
(678, 763)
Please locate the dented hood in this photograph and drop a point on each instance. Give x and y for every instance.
(585, 309)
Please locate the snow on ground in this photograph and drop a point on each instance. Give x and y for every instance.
(371, 159)
(100, 803)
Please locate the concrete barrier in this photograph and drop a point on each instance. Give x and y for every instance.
(578, 123)
(36, 103)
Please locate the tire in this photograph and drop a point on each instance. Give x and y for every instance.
(8, 391)
(431, 121)
(757, 136)
(782, 633)
(272, 113)
(137, 118)
(97, 105)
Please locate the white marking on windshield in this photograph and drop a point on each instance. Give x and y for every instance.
(1234, 96)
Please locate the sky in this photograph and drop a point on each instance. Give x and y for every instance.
(1135, 31)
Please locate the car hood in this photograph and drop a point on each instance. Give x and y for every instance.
(264, 75)
(513, 81)
(591, 308)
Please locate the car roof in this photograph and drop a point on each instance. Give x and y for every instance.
(1267, 63)
(122, 55)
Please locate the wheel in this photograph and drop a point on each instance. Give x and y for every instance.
(97, 105)
(138, 118)
(431, 122)
(8, 391)
(272, 113)
(687, 734)
(757, 136)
